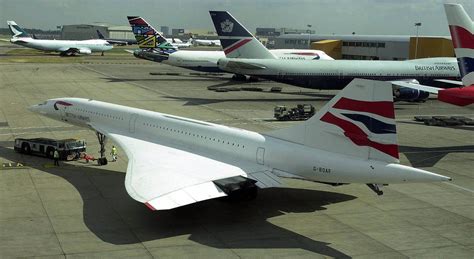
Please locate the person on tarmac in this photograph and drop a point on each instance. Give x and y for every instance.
(56, 157)
(114, 154)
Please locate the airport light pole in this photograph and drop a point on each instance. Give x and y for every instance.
(417, 25)
(309, 35)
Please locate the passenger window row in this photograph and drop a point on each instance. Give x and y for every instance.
(100, 114)
(193, 135)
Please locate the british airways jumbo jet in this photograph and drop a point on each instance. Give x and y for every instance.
(336, 74)
(155, 47)
(461, 28)
(64, 47)
(175, 161)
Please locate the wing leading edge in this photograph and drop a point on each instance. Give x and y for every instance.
(164, 177)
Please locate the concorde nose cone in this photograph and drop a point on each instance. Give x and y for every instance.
(33, 108)
(411, 174)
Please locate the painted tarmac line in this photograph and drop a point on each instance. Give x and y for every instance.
(460, 187)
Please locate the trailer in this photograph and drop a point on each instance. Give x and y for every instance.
(300, 112)
(445, 120)
(68, 149)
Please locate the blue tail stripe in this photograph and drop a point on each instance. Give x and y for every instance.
(374, 125)
(226, 25)
(466, 65)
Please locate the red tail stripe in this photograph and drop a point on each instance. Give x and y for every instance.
(458, 96)
(382, 108)
(138, 21)
(462, 38)
(236, 46)
(358, 136)
(149, 206)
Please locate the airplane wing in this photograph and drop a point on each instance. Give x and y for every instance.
(117, 42)
(163, 177)
(68, 50)
(426, 88)
(453, 82)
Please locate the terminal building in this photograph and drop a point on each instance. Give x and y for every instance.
(89, 31)
(368, 47)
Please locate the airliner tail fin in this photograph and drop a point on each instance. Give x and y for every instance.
(359, 121)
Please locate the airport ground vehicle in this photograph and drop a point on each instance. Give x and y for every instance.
(300, 112)
(445, 120)
(67, 148)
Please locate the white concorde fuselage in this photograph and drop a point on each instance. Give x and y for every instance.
(63, 45)
(235, 146)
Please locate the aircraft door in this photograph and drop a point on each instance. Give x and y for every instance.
(132, 122)
(261, 155)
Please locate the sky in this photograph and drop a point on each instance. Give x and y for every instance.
(388, 17)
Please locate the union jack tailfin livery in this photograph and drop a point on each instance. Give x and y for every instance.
(359, 121)
(147, 37)
(236, 40)
(462, 30)
(462, 33)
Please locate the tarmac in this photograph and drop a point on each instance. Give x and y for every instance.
(82, 210)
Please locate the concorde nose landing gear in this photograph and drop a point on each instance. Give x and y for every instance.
(102, 140)
(377, 188)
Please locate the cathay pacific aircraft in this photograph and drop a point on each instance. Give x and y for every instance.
(174, 161)
(245, 56)
(64, 47)
(155, 47)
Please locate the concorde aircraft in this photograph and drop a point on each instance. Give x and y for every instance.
(64, 47)
(245, 56)
(462, 33)
(175, 161)
(155, 47)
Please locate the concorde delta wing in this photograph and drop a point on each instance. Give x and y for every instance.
(163, 177)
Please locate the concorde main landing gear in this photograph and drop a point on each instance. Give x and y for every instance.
(102, 139)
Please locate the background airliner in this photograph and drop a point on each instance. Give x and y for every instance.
(154, 47)
(206, 42)
(238, 42)
(120, 42)
(64, 47)
(175, 161)
(461, 28)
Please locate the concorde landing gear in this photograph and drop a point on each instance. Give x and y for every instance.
(377, 188)
(102, 139)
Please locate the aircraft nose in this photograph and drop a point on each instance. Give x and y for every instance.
(33, 108)
(38, 108)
